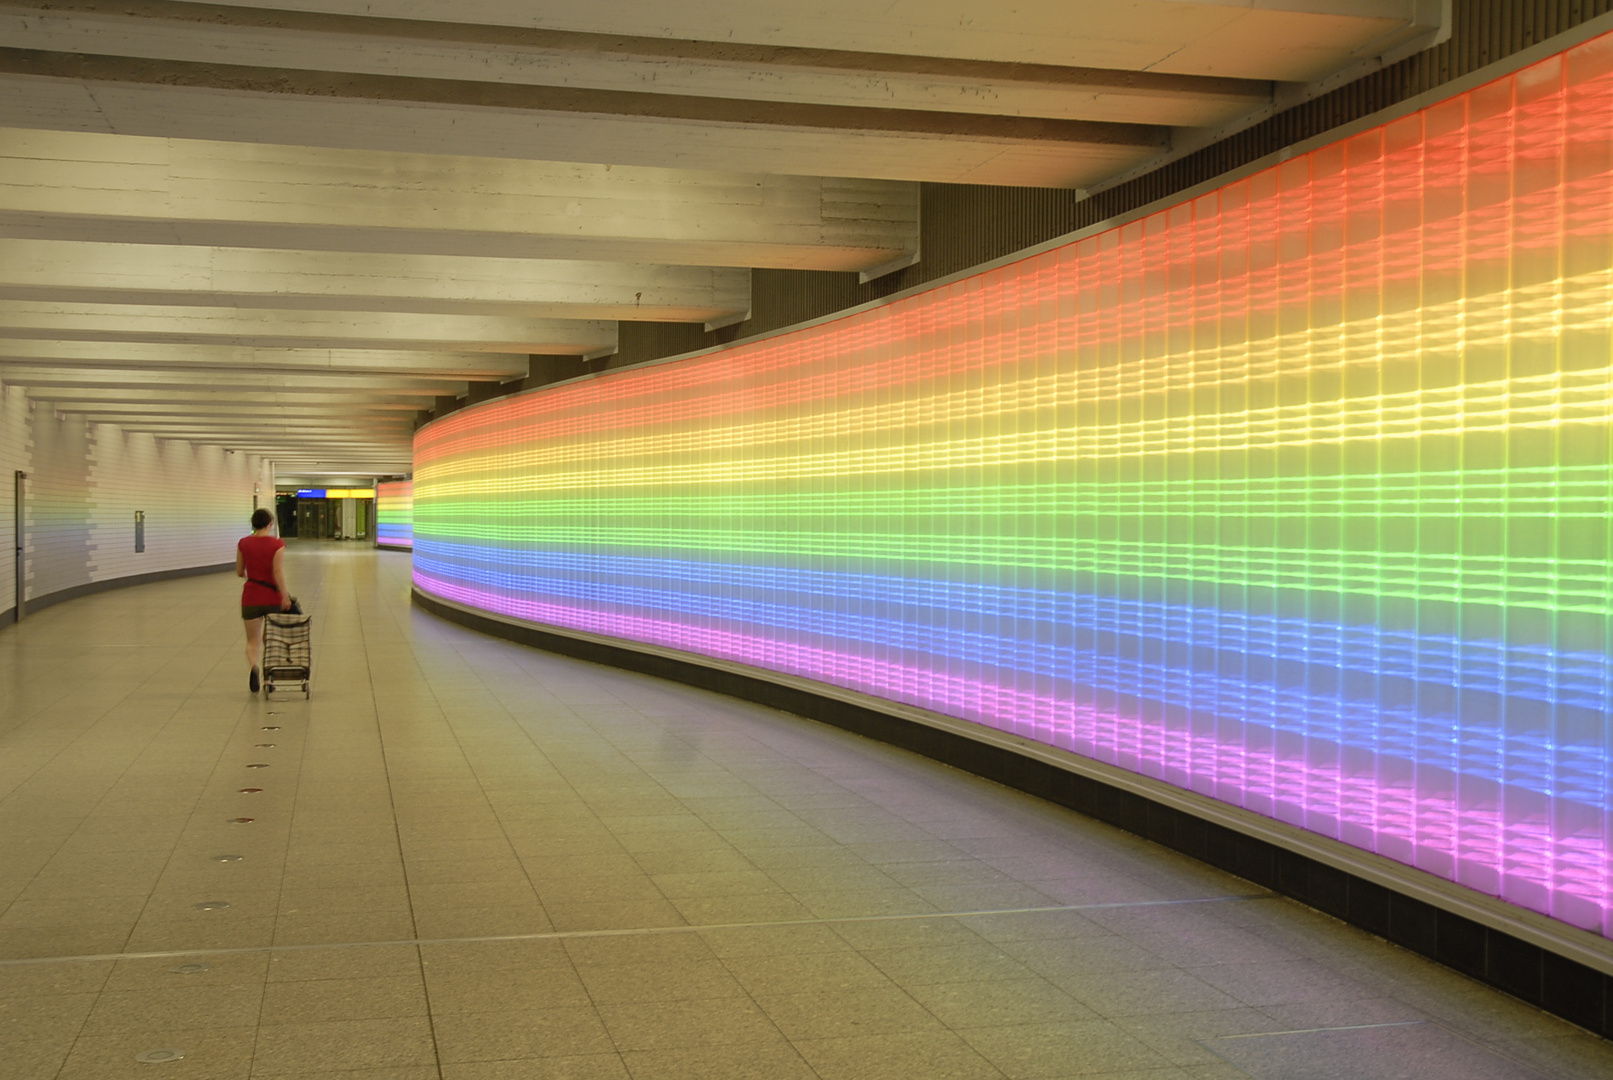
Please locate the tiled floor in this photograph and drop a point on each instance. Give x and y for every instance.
(476, 861)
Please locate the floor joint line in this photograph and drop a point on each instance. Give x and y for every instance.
(641, 931)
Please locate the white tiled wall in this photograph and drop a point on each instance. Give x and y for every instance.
(87, 480)
(13, 456)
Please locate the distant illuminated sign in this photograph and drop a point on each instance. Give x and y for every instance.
(335, 493)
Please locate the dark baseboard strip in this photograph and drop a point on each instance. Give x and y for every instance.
(35, 603)
(393, 547)
(1576, 992)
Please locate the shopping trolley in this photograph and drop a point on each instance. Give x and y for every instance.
(287, 650)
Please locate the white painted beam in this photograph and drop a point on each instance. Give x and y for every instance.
(63, 355)
(100, 94)
(352, 419)
(159, 399)
(70, 271)
(302, 382)
(85, 186)
(1267, 39)
(625, 63)
(270, 328)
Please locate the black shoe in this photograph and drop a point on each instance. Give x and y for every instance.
(252, 681)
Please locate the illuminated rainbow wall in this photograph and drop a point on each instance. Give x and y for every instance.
(1295, 494)
(394, 514)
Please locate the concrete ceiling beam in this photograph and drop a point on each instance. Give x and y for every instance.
(290, 383)
(146, 356)
(1271, 39)
(632, 63)
(60, 91)
(58, 185)
(105, 401)
(71, 271)
(159, 400)
(280, 329)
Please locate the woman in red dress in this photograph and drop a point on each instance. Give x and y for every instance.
(258, 559)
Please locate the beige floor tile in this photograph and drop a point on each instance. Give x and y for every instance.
(677, 946)
(775, 974)
(46, 980)
(836, 1014)
(769, 941)
(1184, 1038)
(525, 954)
(344, 901)
(1063, 1049)
(744, 1061)
(34, 1053)
(297, 928)
(608, 915)
(529, 1033)
(712, 883)
(614, 984)
(474, 988)
(506, 871)
(662, 1025)
(369, 962)
(85, 939)
(52, 1011)
(64, 912)
(457, 895)
(716, 860)
(315, 1000)
(970, 961)
(859, 903)
(884, 934)
(210, 1054)
(178, 1005)
(527, 918)
(582, 1067)
(740, 910)
(998, 1003)
(328, 1046)
(1140, 993)
(936, 1055)
(397, 1072)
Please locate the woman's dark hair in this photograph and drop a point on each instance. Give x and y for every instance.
(260, 518)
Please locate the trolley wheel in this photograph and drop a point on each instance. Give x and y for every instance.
(305, 687)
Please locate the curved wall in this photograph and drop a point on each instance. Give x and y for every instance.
(1294, 495)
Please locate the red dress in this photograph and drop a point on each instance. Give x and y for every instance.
(258, 556)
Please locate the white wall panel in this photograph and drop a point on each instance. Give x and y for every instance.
(86, 481)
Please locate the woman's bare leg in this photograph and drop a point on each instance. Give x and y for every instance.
(254, 641)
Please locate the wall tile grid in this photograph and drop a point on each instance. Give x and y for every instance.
(1294, 495)
(87, 480)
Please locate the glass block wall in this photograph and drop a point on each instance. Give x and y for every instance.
(394, 514)
(1295, 494)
